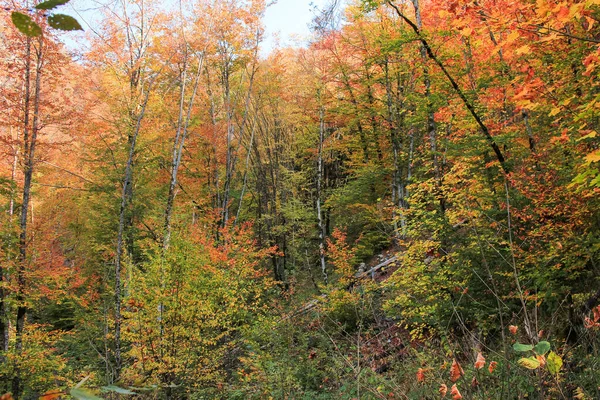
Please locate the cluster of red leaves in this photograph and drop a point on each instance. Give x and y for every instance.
(593, 322)
(456, 373)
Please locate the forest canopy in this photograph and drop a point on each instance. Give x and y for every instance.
(406, 207)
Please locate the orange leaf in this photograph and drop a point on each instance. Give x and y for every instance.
(480, 362)
(542, 360)
(455, 393)
(466, 32)
(443, 390)
(456, 371)
(55, 394)
(563, 15)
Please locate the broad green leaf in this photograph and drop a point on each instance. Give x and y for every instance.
(84, 394)
(117, 389)
(542, 348)
(529, 363)
(522, 347)
(25, 24)
(64, 22)
(554, 363)
(50, 4)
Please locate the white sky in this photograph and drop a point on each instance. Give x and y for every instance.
(289, 19)
(286, 21)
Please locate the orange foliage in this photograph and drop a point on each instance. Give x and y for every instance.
(455, 393)
(456, 371)
(480, 362)
(443, 390)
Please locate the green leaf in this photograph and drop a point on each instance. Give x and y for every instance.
(542, 348)
(116, 389)
(529, 363)
(50, 4)
(554, 363)
(25, 24)
(64, 22)
(84, 394)
(522, 347)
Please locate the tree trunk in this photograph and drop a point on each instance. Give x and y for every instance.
(29, 143)
(231, 153)
(183, 123)
(321, 224)
(431, 126)
(125, 203)
(4, 321)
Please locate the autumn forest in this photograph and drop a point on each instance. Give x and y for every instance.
(407, 206)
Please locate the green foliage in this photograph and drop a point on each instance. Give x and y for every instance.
(542, 348)
(554, 362)
(522, 348)
(46, 365)
(64, 22)
(50, 4)
(84, 394)
(25, 24)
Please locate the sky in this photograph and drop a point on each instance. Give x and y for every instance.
(289, 19)
(286, 21)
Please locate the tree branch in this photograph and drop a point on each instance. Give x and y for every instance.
(484, 129)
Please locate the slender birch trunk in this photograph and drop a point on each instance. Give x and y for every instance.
(321, 224)
(183, 124)
(431, 126)
(125, 203)
(4, 321)
(30, 142)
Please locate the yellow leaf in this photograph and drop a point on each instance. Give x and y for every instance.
(466, 32)
(590, 135)
(590, 22)
(443, 14)
(554, 363)
(514, 35)
(542, 8)
(523, 50)
(593, 157)
(554, 112)
(579, 394)
(576, 10)
(529, 363)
